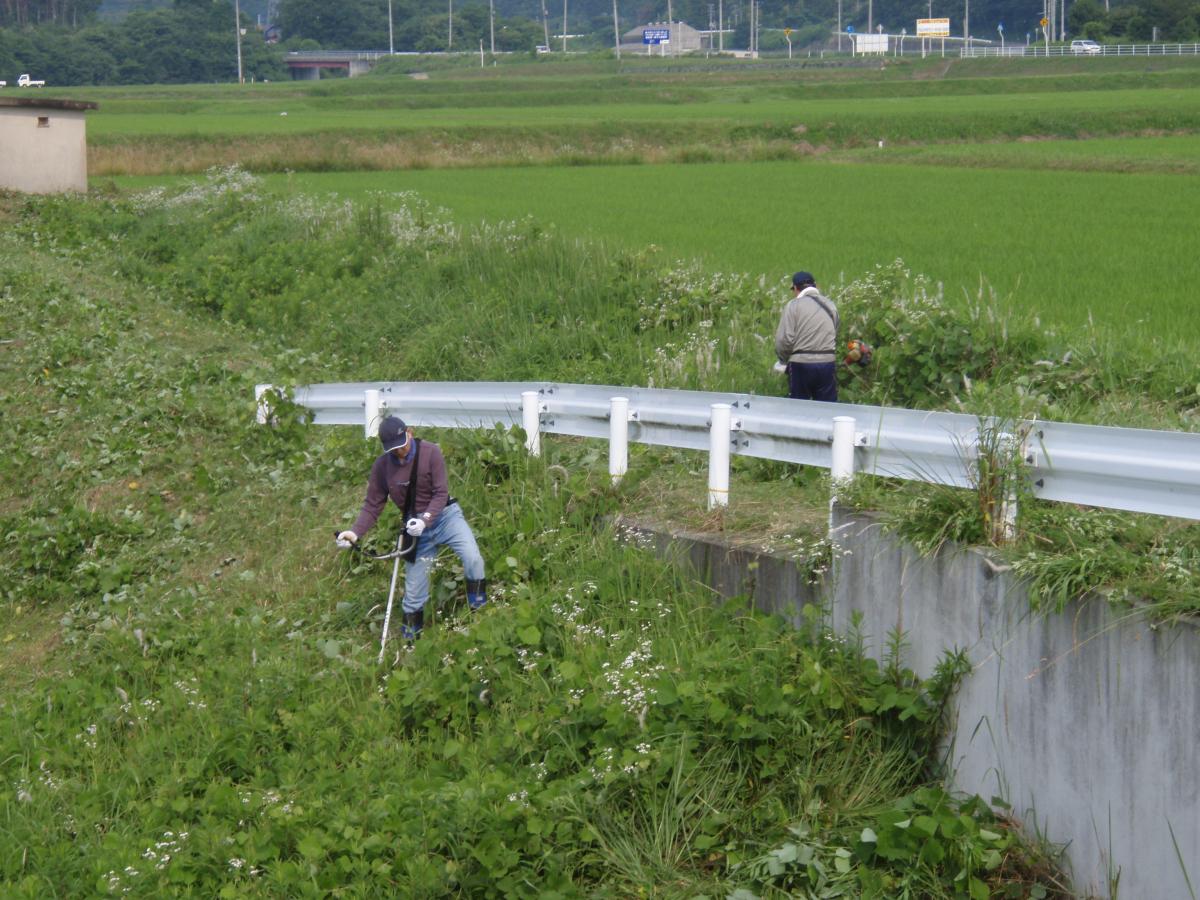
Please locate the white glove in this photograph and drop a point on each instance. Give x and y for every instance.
(415, 526)
(347, 539)
(779, 367)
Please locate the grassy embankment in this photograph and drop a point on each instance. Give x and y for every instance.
(194, 708)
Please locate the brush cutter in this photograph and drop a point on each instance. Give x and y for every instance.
(396, 555)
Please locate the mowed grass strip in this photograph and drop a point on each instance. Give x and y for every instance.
(1174, 154)
(899, 118)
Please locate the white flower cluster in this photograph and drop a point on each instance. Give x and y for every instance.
(88, 736)
(159, 855)
(605, 763)
(815, 555)
(219, 181)
(191, 692)
(46, 777)
(134, 713)
(695, 356)
(521, 798)
(237, 864)
(572, 613)
(528, 659)
(687, 289)
(630, 681)
(634, 536)
(267, 799)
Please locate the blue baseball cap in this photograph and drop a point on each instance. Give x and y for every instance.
(393, 433)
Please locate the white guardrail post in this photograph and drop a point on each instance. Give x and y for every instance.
(618, 438)
(841, 468)
(372, 415)
(1008, 507)
(718, 455)
(531, 421)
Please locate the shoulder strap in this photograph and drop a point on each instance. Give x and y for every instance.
(410, 496)
(816, 298)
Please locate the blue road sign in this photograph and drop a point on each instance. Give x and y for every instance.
(849, 29)
(656, 35)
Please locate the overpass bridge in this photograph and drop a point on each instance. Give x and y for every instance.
(306, 65)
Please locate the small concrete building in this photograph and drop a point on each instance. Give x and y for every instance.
(43, 145)
(682, 38)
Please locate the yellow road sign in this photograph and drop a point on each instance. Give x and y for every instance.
(787, 32)
(1044, 22)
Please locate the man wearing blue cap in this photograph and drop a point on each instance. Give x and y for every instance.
(437, 520)
(806, 341)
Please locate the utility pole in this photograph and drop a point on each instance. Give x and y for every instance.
(450, 27)
(391, 43)
(721, 24)
(616, 31)
(237, 33)
(840, 25)
(564, 26)
(670, 29)
(492, 23)
(545, 26)
(870, 16)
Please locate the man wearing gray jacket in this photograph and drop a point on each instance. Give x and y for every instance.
(806, 341)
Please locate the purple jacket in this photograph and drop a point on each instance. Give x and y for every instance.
(389, 478)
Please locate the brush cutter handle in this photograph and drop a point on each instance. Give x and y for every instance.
(346, 545)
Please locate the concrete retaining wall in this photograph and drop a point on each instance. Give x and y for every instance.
(1085, 722)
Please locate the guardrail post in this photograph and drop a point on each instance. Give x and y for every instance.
(841, 467)
(262, 403)
(718, 455)
(371, 413)
(842, 464)
(1010, 460)
(618, 438)
(531, 422)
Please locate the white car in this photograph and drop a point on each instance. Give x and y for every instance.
(1085, 48)
(26, 81)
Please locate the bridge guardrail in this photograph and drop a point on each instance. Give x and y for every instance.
(1131, 469)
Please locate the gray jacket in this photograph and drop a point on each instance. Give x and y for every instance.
(807, 331)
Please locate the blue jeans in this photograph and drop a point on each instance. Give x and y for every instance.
(812, 381)
(450, 529)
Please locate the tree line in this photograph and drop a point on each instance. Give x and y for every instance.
(188, 41)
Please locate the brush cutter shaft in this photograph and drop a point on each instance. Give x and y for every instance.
(391, 597)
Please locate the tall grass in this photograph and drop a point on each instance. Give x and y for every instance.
(1077, 250)
(215, 723)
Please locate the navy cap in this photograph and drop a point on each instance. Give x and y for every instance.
(393, 433)
(802, 278)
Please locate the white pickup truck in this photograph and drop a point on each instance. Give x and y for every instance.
(26, 81)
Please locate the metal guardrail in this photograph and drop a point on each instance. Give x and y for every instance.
(1136, 470)
(1065, 50)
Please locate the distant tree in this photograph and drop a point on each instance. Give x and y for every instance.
(348, 25)
(1083, 11)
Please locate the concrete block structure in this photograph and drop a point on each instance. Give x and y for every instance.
(1084, 721)
(43, 145)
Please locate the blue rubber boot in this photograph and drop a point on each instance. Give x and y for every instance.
(410, 628)
(477, 593)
